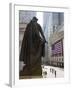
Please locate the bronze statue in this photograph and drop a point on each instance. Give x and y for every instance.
(32, 49)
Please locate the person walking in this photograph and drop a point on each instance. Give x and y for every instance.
(55, 73)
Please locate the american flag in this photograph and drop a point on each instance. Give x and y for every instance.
(57, 48)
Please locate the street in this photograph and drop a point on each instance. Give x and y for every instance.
(52, 72)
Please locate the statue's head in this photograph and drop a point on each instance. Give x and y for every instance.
(34, 19)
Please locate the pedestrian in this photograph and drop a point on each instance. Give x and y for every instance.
(55, 73)
(50, 69)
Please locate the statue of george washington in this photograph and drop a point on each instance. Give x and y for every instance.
(32, 49)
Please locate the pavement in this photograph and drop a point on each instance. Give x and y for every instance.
(52, 72)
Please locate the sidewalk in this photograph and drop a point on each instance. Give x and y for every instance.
(48, 74)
